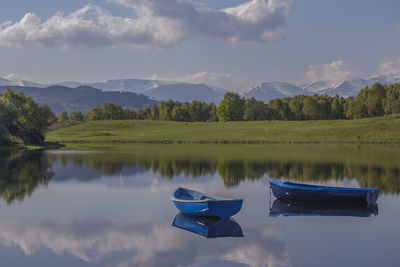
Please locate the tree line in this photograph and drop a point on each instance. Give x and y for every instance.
(375, 100)
(22, 120)
(166, 110)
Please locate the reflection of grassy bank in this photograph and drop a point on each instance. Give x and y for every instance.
(377, 129)
(47, 145)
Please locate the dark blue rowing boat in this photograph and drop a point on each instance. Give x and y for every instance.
(316, 193)
(300, 208)
(209, 227)
(200, 204)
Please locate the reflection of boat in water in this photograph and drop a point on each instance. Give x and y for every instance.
(283, 208)
(208, 226)
(200, 204)
(318, 193)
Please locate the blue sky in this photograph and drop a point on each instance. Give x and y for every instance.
(199, 41)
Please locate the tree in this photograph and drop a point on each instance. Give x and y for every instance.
(374, 100)
(165, 109)
(311, 108)
(212, 112)
(296, 107)
(392, 101)
(231, 108)
(355, 109)
(94, 114)
(147, 113)
(63, 116)
(195, 111)
(129, 114)
(112, 111)
(8, 114)
(32, 121)
(46, 112)
(76, 116)
(254, 110)
(279, 109)
(155, 114)
(178, 113)
(337, 108)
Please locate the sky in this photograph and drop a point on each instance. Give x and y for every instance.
(226, 43)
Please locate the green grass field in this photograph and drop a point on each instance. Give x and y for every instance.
(377, 129)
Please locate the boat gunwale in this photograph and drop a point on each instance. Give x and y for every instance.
(173, 198)
(320, 188)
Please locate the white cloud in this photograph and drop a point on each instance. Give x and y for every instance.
(17, 77)
(334, 71)
(390, 66)
(158, 23)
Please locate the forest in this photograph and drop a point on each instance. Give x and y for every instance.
(372, 101)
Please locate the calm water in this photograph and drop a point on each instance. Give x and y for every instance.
(108, 208)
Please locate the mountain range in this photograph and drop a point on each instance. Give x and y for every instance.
(142, 92)
(270, 90)
(154, 89)
(60, 98)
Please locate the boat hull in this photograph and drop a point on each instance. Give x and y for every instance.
(222, 209)
(195, 203)
(309, 193)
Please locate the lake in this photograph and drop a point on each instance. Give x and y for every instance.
(107, 205)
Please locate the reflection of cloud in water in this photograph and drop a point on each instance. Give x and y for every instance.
(150, 243)
(256, 256)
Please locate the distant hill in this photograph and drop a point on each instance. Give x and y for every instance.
(158, 90)
(271, 90)
(184, 92)
(178, 91)
(82, 98)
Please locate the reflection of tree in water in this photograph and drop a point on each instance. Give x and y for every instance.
(234, 171)
(22, 173)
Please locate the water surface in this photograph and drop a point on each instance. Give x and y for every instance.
(111, 208)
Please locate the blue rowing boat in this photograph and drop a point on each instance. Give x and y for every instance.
(300, 208)
(196, 203)
(210, 227)
(316, 193)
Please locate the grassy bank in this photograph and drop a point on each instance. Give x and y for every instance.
(377, 129)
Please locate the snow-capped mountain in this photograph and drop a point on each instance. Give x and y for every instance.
(270, 90)
(138, 86)
(164, 90)
(155, 89)
(349, 87)
(5, 82)
(179, 91)
(320, 86)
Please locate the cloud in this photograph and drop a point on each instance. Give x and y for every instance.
(390, 66)
(157, 23)
(334, 71)
(17, 77)
(220, 80)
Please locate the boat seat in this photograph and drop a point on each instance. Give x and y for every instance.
(206, 198)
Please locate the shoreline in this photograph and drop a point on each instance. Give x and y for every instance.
(244, 142)
(46, 146)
